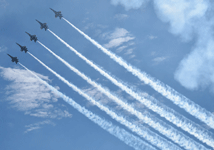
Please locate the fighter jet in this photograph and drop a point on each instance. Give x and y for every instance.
(14, 58)
(57, 13)
(43, 25)
(23, 48)
(32, 37)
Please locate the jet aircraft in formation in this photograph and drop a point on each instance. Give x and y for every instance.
(23, 48)
(57, 13)
(14, 59)
(43, 25)
(32, 37)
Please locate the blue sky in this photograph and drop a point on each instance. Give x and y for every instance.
(170, 40)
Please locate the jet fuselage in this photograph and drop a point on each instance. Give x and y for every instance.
(23, 48)
(57, 13)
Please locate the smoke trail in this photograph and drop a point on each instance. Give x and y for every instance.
(143, 132)
(159, 125)
(121, 134)
(178, 99)
(153, 104)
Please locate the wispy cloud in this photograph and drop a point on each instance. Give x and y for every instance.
(129, 51)
(152, 37)
(159, 59)
(121, 48)
(3, 49)
(118, 32)
(129, 4)
(121, 39)
(121, 16)
(94, 26)
(26, 94)
(88, 26)
(118, 41)
(38, 125)
(3, 3)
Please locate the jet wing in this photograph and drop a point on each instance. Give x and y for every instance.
(16, 59)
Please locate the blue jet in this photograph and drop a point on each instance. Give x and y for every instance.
(43, 25)
(57, 13)
(14, 59)
(32, 37)
(23, 48)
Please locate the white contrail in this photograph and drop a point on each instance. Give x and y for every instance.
(121, 134)
(178, 99)
(158, 125)
(143, 132)
(152, 103)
